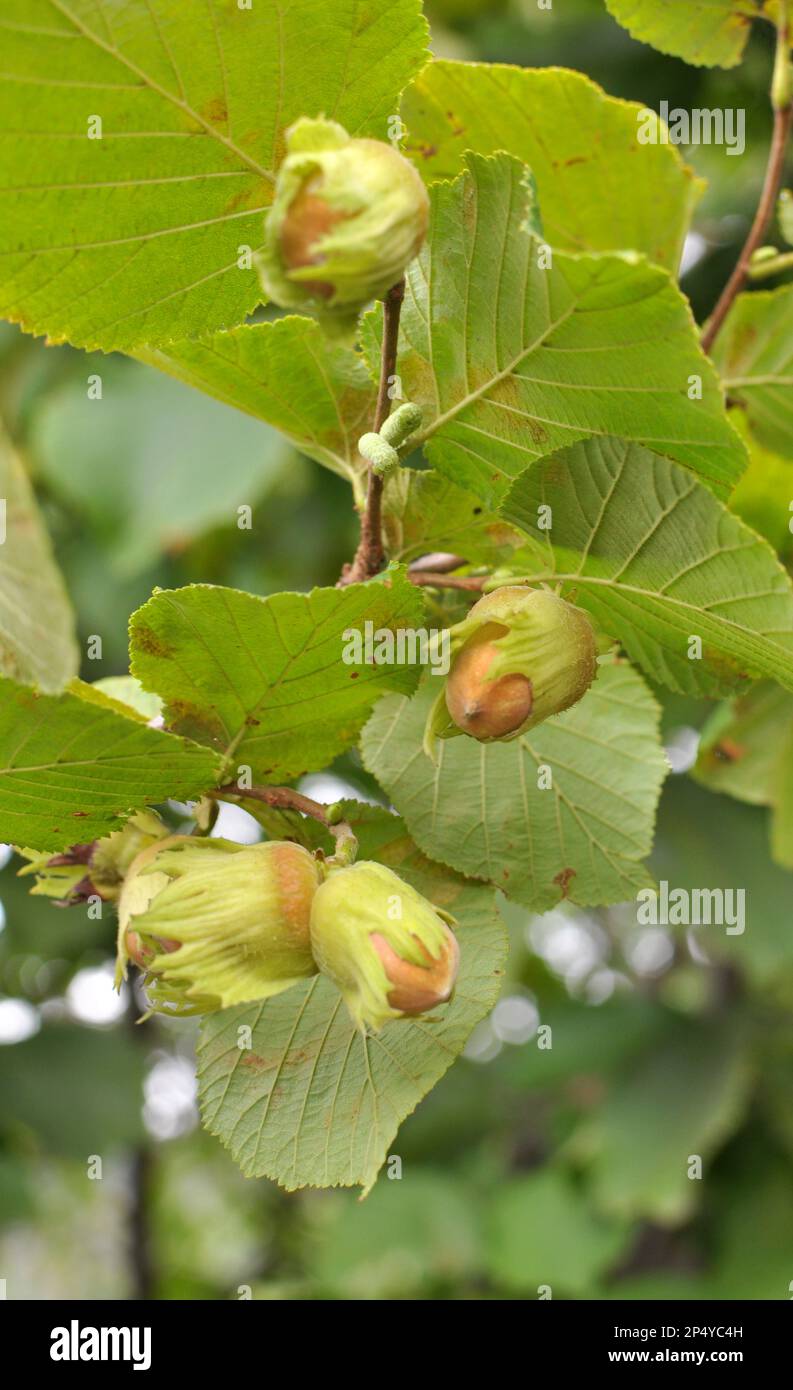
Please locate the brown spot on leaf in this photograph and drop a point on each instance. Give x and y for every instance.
(148, 641)
(456, 128)
(537, 431)
(728, 751)
(254, 1061)
(196, 721)
(216, 111)
(563, 880)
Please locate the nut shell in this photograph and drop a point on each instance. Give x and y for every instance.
(482, 707)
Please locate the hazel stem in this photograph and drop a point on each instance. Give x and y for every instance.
(370, 555)
(287, 799)
(431, 580)
(783, 115)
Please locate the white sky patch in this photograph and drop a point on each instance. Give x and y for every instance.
(650, 952)
(483, 1045)
(235, 823)
(695, 247)
(682, 747)
(18, 1020)
(327, 788)
(92, 998)
(515, 1019)
(170, 1097)
(571, 942)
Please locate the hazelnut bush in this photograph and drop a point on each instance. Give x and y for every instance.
(377, 259)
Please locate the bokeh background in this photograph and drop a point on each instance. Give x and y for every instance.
(525, 1167)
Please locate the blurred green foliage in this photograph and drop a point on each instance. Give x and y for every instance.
(568, 1166)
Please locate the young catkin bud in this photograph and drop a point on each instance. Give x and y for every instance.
(520, 656)
(347, 217)
(390, 952)
(93, 870)
(214, 923)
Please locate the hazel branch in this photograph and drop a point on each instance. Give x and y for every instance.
(370, 555)
(782, 102)
(429, 579)
(287, 799)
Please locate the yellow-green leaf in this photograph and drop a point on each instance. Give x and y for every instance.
(140, 228)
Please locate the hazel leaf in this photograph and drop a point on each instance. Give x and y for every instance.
(74, 766)
(490, 810)
(513, 350)
(264, 681)
(315, 1102)
(754, 354)
(37, 637)
(659, 562)
(138, 192)
(707, 33)
(452, 107)
(319, 394)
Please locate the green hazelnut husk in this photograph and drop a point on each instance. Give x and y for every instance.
(391, 953)
(96, 869)
(215, 923)
(347, 218)
(520, 656)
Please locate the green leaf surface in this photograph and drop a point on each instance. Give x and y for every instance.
(67, 1116)
(314, 1101)
(318, 394)
(543, 1232)
(705, 842)
(754, 354)
(782, 804)
(682, 1098)
(264, 680)
(707, 33)
(600, 189)
(37, 639)
(423, 512)
(74, 940)
(150, 466)
(586, 1041)
(762, 497)
(657, 559)
(408, 1235)
(73, 766)
(482, 809)
(753, 1230)
(740, 743)
(130, 692)
(136, 237)
(746, 750)
(511, 361)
